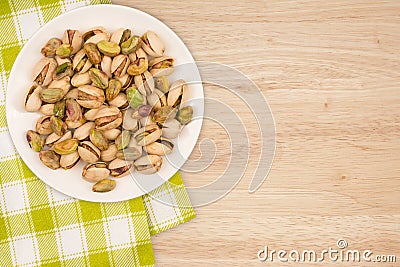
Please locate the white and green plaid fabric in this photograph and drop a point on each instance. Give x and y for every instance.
(42, 227)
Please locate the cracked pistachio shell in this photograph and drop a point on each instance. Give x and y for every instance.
(69, 161)
(65, 147)
(33, 102)
(43, 71)
(130, 45)
(58, 125)
(119, 65)
(110, 153)
(90, 115)
(157, 99)
(161, 66)
(51, 95)
(94, 172)
(97, 138)
(99, 31)
(160, 147)
(119, 168)
(148, 164)
(88, 152)
(147, 135)
(120, 35)
(106, 65)
(162, 83)
(126, 80)
(164, 113)
(99, 78)
(176, 94)
(120, 101)
(81, 62)
(50, 159)
(74, 39)
(83, 131)
(105, 185)
(185, 115)
(113, 89)
(53, 138)
(171, 129)
(35, 141)
(92, 53)
(108, 48)
(129, 154)
(90, 96)
(139, 63)
(75, 124)
(108, 118)
(59, 109)
(72, 94)
(63, 84)
(123, 139)
(43, 125)
(152, 44)
(80, 79)
(146, 121)
(129, 123)
(135, 98)
(145, 83)
(112, 134)
(73, 110)
(47, 109)
(49, 50)
(63, 70)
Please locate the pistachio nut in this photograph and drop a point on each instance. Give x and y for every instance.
(43, 125)
(130, 45)
(98, 139)
(120, 35)
(162, 83)
(95, 172)
(176, 94)
(81, 62)
(59, 109)
(73, 110)
(160, 147)
(108, 118)
(109, 154)
(90, 96)
(126, 80)
(135, 98)
(69, 161)
(184, 115)
(88, 152)
(83, 131)
(105, 185)
(152, 44)
(35, 141)
(120, 101)
(119, 65)
(171, 129)
(43, 71)
(119, 168)
(129, 123)
(108, 48)
(145, 83)
(80, 79)
(65, 147)
(99, 31)
(161, 66)
(63, 70)
(50, 159)
(147, 135)
(106, 65)
(164, 113)
(58, 125)
(49, 50)
(123, 139)
(112, 134)
(113, 89)
(92, 53)
(157, 99)
(139, 63)
(63, 84)
(64, 51)
(72, 94)
(99, 78)
(75, 124)
(47, 109)
(74, 39)
(129, 154)
(51, 95)
(148, 164)
(33, 102)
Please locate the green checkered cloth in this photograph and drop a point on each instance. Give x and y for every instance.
(42, 227)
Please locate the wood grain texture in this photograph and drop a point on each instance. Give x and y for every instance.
(330, 71)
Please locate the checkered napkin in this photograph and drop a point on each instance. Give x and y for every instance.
(42, 227)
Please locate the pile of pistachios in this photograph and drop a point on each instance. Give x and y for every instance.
(106, 100)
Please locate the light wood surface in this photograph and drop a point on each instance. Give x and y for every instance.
(330, 71)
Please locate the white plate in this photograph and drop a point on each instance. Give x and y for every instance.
(19, 121)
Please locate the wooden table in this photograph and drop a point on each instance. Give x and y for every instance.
(330, 71)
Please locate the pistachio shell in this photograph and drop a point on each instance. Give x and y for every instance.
(90, 96)
(176, 94)
(80, 79)
(51, 95)
(90, 115)
(73, 94)
(129, 154)
(119, 168)
(164, 113)
(66, 147)
(120, 101)
(106, 65)
(81, 63)
(35, 141)
(33, 102)
(99, 78)
(152, 44)
(88, 152)
(110, 153)
(148, 164)
(83, 131)
(162, 83)
(97, 30)
(147, 135)
(97, 38)
(43, 71)
(95, 172)
(75, 124)
(98, 139)
(57, 125)
(50, 159)
(112, 134)
(108, 118)
(120, 35)
(69, 161)
(49, 50)
(123, 139)
(54, 138)
(171, 129)
(43, 125)
(74, 39)
(161, 66)
(47, 109)
(126, 80)
(130, 123)
(160, 147)
(119, 65)
(145, 83)
(157, 99)
(130, 45)
(63, 84)
(113, 89)
(105, 185)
